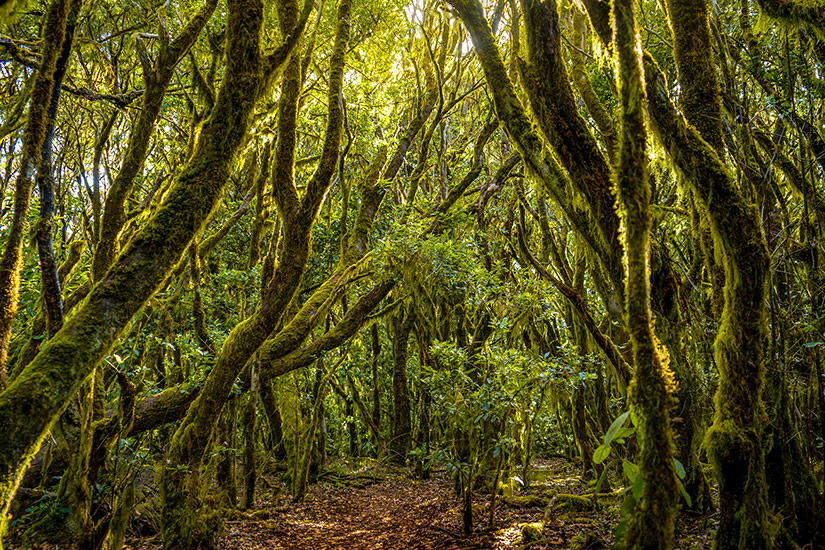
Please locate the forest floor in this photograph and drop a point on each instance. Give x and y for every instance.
(366, 506)
(370, 511)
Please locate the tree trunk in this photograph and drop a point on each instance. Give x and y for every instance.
(250, 473)
(653, 519)
(376, 384)
(401, 419)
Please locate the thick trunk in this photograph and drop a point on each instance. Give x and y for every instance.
(653, 519)
(181, 491)
(550, 95)
(734, 441)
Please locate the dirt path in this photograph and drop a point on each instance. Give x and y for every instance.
(397, 514)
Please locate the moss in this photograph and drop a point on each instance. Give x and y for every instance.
(553, 104)
(157, 79)
(372, 194)
(587, 541)
(26, 432)
(32, 403)
(796, 14)
(181, 487)
(198, 316)
(564, 502)
(538, 161)
(652, 523)
(35, 133)
(582, 81)
(693, 51)
(524, 501)
(531, 532)
(734, 440)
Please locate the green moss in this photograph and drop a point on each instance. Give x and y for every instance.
(734, 441)
(550, 95)
(587, 541)
(693, 51)
(531, 532)
(796, 14)
(157, 79)
(538, 161)
(652, 523)
(54, 34)
(564, 502)
(524, 501)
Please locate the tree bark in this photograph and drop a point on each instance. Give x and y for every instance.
(401, 416)
(653, 519)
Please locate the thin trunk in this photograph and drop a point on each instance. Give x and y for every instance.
(401, 419)
(53, 298)
(250, 473)
(376, 383)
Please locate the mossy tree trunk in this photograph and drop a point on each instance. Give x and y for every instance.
(549, 92)
(652, 523)
(538, 160)
(249, 423)
(734, 441)
(375, 348)
(225, 457)
(401, 415)
(796, 14)
(52, 296)
(181, 525)
(700, 103)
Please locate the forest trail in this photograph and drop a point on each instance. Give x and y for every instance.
(393, 514)
(401, 513)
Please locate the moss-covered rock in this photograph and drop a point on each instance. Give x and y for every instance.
(564, 502)
(531, 532)
(524, 501)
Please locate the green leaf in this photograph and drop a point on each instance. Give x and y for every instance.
(684, 493)
(602, 452)
(614, 428)
(628, 504)
(601, 480)
(623, 433)
(680, 470)
(630, 470)
(638, 485)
